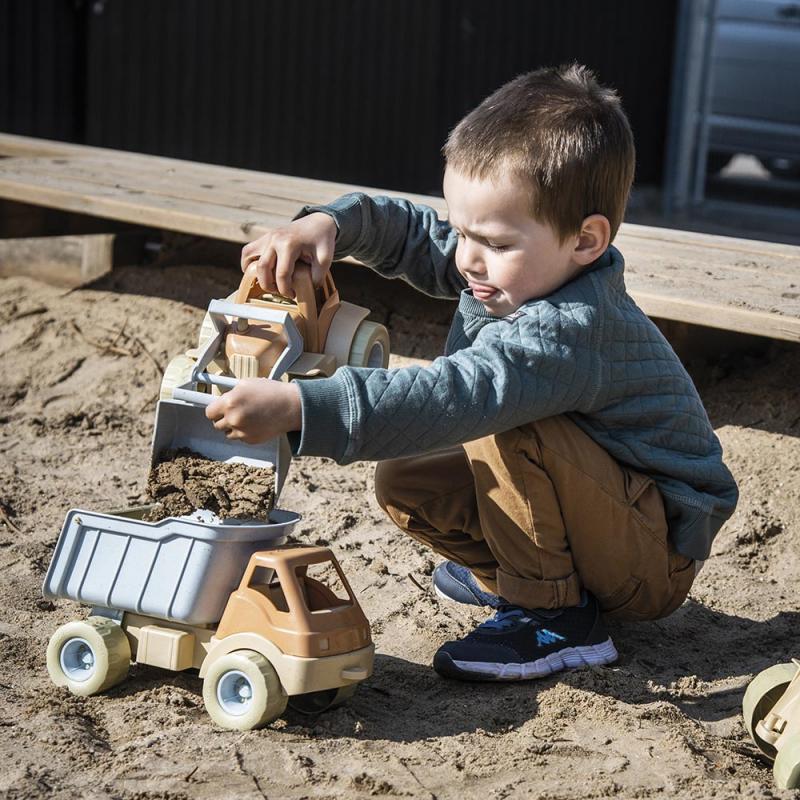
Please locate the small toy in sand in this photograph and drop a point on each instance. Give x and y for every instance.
(771, 709)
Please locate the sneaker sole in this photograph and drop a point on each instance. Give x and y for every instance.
(591, 655)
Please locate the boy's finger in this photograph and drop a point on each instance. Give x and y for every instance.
(284, 269)
(222, 425)
(324, 255)
(247, 255)
(215, 410)
(265, 271)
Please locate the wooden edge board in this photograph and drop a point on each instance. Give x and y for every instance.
(13, 146)
(24, 146)
(712, 315)
(199, 219)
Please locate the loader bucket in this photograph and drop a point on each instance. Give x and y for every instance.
(184, 425)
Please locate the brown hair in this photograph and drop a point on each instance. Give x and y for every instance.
(563, 134)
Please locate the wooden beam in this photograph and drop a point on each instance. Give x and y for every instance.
(723, 282)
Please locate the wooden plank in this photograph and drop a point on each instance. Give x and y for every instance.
(59, 260)
(131, 205)
(735, 284)
(221, 185)
(715, 315)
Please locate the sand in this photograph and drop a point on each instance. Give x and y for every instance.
(81, 374)
(183, 482)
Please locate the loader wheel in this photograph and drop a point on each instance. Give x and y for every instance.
(242, 691)
(761, 696)
(787, 764)
(178, 372)
(207, 329)
(317, 702)
(88, 657)
(370, 346)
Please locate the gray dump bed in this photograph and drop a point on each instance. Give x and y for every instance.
(178, 569)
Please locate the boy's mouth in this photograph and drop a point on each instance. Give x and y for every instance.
(481, 292)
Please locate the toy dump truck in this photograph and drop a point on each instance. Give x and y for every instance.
(264, 624)
(771, 709)
(290, 631)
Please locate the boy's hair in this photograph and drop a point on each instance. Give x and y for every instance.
(563, 134)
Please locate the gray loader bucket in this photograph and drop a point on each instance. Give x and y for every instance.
(180, 424)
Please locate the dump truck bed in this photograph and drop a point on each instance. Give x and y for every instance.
(178, 569)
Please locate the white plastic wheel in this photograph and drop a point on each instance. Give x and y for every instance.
(88, 657)
(207, 329)
(787, 764)
(207, 332)
(763, 692)
(370, 346)
(178, 372)
(242, 691)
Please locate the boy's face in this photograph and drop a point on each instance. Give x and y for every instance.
(506, 256)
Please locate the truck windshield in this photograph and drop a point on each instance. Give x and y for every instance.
(322, 587)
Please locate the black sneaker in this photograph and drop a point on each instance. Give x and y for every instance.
(517, 644)
(453, 582)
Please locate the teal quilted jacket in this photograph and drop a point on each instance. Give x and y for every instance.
(586, 351)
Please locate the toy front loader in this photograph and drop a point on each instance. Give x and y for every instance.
(331, 333)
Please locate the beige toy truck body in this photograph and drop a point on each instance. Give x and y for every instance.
(284, 637)
(771, 711)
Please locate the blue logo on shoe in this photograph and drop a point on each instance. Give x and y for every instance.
(544, 636)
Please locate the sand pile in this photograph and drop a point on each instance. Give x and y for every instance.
(184, 482)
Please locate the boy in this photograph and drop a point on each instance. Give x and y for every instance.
(558, 455)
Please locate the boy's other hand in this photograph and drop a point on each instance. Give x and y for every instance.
(310, 239)
(256, 410)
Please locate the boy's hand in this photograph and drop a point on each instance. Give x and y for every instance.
(310, 239)
(256, 410)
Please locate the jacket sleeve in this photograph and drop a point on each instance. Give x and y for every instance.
(508, 377)
(397, 239)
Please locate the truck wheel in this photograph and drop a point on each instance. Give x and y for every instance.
(88, 657)
(317, 702)
(178, 372)
(370, 346)
(763, 692)
(242, 691)
(787, 764)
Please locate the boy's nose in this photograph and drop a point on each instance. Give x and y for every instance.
(469, 259)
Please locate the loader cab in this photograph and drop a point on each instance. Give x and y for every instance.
(299, 599)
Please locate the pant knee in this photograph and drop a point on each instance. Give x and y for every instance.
(386, 483)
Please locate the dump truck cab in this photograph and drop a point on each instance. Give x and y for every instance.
(298, 598)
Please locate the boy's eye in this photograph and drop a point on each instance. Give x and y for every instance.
(497, 247)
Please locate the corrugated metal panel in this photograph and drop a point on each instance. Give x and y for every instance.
(41, 68)
(352, 90)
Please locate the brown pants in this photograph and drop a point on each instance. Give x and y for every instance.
(538, 512)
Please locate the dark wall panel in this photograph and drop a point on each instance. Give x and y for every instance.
(360, 91)
(42, 71)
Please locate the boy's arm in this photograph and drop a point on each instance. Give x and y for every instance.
(500, 382)
(397, 239)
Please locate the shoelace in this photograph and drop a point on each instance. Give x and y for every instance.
(504, 618)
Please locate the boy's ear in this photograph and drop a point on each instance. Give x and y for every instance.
(593, 239)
